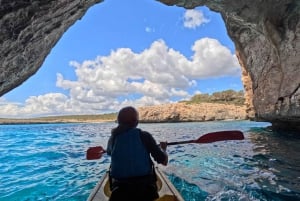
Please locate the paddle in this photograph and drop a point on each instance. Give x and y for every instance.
(96, 152)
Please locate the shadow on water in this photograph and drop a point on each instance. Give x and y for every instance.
(265, 166)
(277, 156)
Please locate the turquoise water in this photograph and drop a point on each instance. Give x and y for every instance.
(47, 161)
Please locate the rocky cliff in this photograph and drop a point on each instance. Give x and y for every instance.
(266, 35)
(29, 30)
(183, 112)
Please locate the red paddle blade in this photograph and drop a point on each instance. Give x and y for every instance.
(220, 136)
(94, 153)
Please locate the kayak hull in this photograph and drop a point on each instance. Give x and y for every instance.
(166, 190)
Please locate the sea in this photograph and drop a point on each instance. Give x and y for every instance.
(48, 161)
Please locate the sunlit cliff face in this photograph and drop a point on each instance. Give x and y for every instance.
(266, 35)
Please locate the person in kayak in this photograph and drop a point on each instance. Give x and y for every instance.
(132, 174)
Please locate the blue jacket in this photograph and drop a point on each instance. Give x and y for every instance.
(129, 156)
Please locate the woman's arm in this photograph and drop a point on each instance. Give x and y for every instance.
(109, 146)
(158, 152)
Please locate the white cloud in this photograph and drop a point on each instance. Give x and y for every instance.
(149, 29)
(194, 18)
(157, 75)
(51, 103)
(212, 59)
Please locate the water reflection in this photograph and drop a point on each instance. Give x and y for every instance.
(264, 166)
(276, 156)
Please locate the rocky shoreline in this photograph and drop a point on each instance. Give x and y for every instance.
(184, 112)
(175, 112)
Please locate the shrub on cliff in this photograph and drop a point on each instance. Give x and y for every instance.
(228, 97)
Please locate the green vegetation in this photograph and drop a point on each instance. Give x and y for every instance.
(62, 119)
(226, 97)
(104, 117)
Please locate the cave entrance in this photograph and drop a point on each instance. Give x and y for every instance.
(118, 54)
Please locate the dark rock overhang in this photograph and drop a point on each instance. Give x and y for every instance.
(266, 35)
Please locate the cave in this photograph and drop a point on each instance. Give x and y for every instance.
(266, 35)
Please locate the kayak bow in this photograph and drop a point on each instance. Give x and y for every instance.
(166, 190)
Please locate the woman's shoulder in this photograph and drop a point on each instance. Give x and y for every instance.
(147, 137)
(145, 133)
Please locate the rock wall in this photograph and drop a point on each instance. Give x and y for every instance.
(29, 30)
(247, 83)
(182, 112)
(266, 35)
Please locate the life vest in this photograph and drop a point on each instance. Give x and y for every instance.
(130, 157)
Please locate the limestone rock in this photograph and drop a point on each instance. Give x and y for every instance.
(29, 30)
(266, 35)
(183, 112)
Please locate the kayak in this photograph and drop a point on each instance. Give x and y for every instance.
(166, 190)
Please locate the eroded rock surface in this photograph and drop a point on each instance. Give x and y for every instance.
(182, 112)
(29, 30)
(266, 35)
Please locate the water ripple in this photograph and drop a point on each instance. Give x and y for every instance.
(47, 162)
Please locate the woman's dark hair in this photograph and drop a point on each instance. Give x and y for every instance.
(128, 117)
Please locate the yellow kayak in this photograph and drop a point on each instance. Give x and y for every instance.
(166, 190)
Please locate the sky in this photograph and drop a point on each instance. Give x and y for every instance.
(134, 52)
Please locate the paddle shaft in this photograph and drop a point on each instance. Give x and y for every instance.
(181, 142)
(96, 152)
